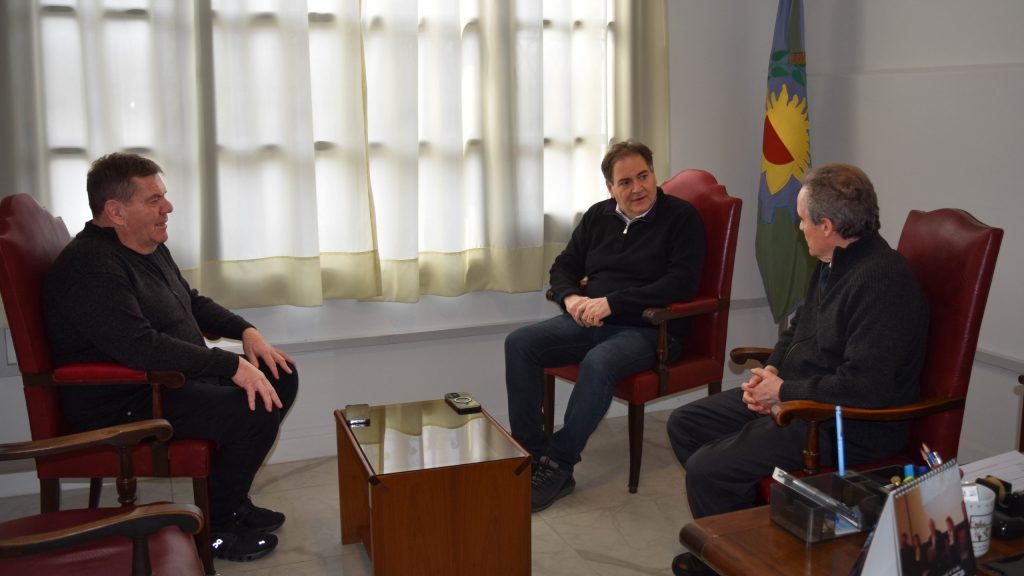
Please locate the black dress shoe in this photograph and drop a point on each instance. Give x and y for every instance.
(251, 516)
(686, 564)
(239, 544)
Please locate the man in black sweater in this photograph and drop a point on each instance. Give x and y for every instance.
(115, 295)
(636, 250)
(857, 340)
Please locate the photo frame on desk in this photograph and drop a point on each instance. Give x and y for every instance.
(923, 529)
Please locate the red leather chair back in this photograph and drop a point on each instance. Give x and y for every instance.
(953, 256)
(721, 216)
(30, 240)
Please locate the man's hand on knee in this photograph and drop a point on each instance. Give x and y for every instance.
(252, 380)
(256, 349)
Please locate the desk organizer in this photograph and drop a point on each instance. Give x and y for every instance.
(813, 522)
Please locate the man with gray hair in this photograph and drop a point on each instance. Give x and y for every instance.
(858, 340)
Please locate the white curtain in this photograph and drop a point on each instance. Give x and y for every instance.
(374, 149)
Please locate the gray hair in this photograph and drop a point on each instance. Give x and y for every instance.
(845, 195)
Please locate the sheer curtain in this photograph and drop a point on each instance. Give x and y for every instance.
(375, 149)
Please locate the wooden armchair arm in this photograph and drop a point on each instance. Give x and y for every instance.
(743, 355)
(133, 522)
(695, 307)
(660, 317)
(815, 412)
(120, 435)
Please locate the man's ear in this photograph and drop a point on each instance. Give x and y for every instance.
(114, 211)
(608, 184)
(827, 226)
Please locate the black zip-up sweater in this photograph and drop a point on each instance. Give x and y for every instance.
(859, 341)
(656, 261)
(104, 302)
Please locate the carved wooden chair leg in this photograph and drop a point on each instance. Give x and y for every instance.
(636, 444)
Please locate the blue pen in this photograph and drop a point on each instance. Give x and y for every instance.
(839, 440)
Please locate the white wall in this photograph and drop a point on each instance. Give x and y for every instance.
(923, 94)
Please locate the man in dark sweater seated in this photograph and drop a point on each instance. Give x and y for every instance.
(115, 295)
(857, 340)
(638, 249)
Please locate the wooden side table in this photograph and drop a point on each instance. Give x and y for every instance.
(429, 491)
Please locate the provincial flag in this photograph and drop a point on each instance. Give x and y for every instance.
(781, 250)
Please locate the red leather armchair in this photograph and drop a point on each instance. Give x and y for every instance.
(703, 356)
(30, 240)
(953, 257)
(140, 540)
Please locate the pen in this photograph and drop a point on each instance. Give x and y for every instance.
(839, 440)
(931, 457)
(928, 459)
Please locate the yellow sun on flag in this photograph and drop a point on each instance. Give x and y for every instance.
(785, 150)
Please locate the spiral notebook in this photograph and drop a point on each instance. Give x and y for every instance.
(923, 529)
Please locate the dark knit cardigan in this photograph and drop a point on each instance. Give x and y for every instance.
(104, 302)
(858, 341)
(657, 261)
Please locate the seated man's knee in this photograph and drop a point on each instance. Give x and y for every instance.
(517, 340)
(264, 424)
(701, 467)
(286, 385)
(679, 424)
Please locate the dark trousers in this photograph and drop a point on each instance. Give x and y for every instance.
(727, 449)
(216, 409)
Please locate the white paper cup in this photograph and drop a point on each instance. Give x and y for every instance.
(980, 501)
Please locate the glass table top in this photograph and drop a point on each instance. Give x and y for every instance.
(430, 434)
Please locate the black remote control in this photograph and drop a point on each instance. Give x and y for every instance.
(462, 402)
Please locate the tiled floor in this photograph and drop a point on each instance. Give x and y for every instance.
(600, 529)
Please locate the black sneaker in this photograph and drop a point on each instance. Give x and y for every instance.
(239, 544)
(686, 564)
(251, 516)
(549, 483)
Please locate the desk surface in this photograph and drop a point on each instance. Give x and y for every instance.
(748, 542)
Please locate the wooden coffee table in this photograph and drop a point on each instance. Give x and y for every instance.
(430, 491)
(748, 542)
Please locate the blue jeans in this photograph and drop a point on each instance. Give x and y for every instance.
(606, 354)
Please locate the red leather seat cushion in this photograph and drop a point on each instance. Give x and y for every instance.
(172, 552)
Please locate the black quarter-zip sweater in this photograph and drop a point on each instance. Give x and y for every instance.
(657, 260)
(858, 341)
(104, 302)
